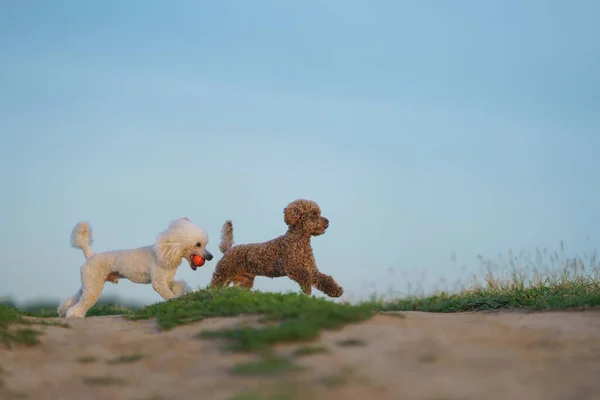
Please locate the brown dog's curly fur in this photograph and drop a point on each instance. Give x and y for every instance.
(287, 255)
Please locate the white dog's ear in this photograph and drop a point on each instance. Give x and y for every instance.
(171, 245)
(169, 254)
(168, 246)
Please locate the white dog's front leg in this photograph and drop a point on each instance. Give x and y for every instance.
(162, 287)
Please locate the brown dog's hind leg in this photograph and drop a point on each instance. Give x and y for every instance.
(244, 279)
(326, 284)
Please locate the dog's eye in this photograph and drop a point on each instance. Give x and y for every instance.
(198, 244)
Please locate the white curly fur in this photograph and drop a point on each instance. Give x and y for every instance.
(81, 238)
(156, 264)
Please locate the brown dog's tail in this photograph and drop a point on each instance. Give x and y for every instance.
(226, 237)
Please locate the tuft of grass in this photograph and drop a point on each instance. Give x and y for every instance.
(287, 316)
(264, 367)
(333, 380)
(87, 359)
(309, 350)
(347, 374)
(9, 335)
(12, 395)
(108, 309)
(280, 391)
(428, 357)
(126, 359)
(351, 343)
(103, 380)
(49, 323)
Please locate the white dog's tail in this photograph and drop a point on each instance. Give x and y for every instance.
(226, 237)
(81, 238)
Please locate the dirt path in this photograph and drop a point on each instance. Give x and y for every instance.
(551, 355)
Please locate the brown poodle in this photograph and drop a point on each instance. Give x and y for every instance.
(287, 255)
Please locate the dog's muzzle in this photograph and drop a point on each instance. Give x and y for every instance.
(197, 260)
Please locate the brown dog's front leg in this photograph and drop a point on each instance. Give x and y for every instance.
(326, 284)
(220, 278)
(303, 278)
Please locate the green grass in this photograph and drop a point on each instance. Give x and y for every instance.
(267, 366)
(284, 317)
(304, 351)
(47, 309)
(273, 391)
(574, 287)
(536, 298)
(351, 343)
(333, 380)
(103, 380)
(12, 330)
(87, 359)
(126, 359)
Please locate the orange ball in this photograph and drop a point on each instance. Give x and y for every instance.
(197, 260)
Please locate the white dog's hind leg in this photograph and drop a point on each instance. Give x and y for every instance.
(89, 296)
(180, 288)
(68, 303)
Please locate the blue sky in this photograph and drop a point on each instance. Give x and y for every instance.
(422, 128)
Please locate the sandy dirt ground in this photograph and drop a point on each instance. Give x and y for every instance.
(410, 355)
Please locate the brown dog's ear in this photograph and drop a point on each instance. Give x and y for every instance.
(291, 215)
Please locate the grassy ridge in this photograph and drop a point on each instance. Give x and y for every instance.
(538, 281)
(571, 289)
(47, 309)
(533, 298)
(548, 282)
(291, 317)
(284, 317)
(14, 329)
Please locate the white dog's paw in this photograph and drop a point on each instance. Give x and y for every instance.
(75, 312)
(62, 309)
(180, 288)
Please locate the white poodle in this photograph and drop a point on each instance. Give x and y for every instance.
(156, 264)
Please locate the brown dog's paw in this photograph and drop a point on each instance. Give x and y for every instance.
(333, 289)
(326, 284)
(336, 292)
